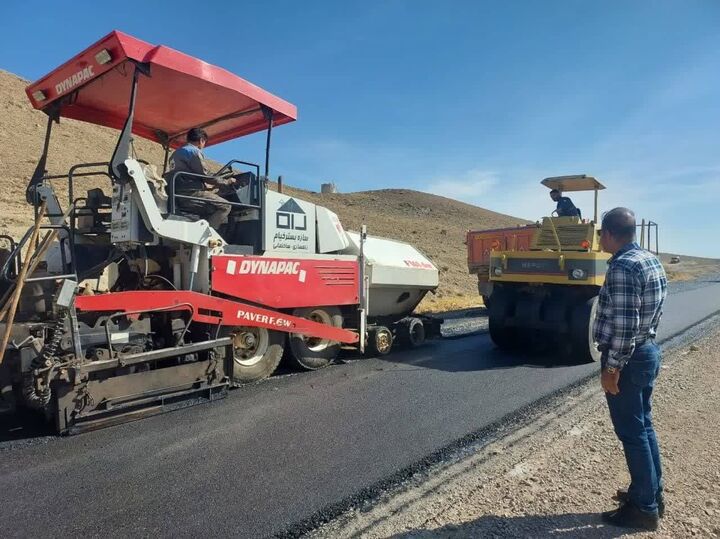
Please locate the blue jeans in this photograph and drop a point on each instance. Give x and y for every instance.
(631, 414)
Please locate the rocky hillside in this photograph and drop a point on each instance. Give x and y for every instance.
(434, 224)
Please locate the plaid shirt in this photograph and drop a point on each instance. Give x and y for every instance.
(630, 303)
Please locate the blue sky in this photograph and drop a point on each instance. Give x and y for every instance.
(473, 100)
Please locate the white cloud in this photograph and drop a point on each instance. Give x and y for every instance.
(468, 186)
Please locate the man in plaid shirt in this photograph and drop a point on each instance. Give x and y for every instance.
(629, 310)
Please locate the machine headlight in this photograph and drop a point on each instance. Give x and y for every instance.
(103, 57)
(578, 274)
(497, 271)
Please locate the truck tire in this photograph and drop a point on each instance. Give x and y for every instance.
(411, 332)
(584, 349)
(312, 353)
(255, 353)
(501, 306)
(380, 341)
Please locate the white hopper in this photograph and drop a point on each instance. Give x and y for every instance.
(399, 274)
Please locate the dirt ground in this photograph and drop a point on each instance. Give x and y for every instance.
(689, 268)
(552, 477)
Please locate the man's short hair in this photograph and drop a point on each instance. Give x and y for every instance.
(555, 192)
(620, 223)
(196, 134)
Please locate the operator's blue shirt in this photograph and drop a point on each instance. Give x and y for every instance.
(566, 208)
(189, 158)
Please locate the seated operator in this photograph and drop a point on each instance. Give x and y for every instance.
(565, 206)
(190, 158)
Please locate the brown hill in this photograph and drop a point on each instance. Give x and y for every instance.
(434, 224)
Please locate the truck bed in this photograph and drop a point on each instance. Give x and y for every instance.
(481, 242)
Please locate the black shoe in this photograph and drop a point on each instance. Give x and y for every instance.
(629, 516)
(622, 496)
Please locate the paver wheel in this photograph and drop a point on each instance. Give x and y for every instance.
(314, 353)
(256, 353)
(411, 332)
(380, 341)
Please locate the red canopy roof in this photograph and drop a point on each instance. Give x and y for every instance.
(181, 92)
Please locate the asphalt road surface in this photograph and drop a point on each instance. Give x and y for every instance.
(275, 453)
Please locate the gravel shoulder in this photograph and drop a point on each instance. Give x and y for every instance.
(552, 476)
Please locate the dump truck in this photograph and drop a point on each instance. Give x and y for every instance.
(186, 311)
(480, 243)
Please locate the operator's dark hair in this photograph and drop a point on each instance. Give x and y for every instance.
(196, 134)
(553, 191)
(620, 224)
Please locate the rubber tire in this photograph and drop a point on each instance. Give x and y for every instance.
(373, 349)
(244, 374)
(305, 357)
(583, 349)
(412, 332)
(501, 306)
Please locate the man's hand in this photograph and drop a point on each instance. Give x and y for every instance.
(224, 180)
(609, 381)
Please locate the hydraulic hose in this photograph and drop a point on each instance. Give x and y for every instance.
(33, 396)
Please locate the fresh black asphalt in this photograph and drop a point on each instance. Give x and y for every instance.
(275, 453)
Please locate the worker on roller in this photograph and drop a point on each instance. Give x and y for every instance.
(189, 158)
(565, 206)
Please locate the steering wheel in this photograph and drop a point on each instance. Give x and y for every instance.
(226, 170)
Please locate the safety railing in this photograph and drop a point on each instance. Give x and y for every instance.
(646, 236)
(14, 261)
(12, 245)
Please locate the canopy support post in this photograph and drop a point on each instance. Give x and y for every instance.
(268, 113)
(40, 170)
(164, 139)
(596, 205)
(122, 149)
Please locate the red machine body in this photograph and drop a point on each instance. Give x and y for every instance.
(210, 310)
(284, 283)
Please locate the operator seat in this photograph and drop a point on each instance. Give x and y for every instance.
(184, 213)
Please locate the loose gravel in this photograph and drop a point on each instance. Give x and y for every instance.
(464, 322)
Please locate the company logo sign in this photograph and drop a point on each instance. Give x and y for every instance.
(419, 264)
(290, 216)
(74, 80)
(266, 267)
(269, 267)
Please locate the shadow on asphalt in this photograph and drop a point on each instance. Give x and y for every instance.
(434, 356)
(470, 312)
(489, 362)
(586, 525)
(23, 426)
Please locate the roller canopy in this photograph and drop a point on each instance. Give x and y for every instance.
(180, 92)
(579, 182)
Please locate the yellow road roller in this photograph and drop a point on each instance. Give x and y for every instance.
(547, 296)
